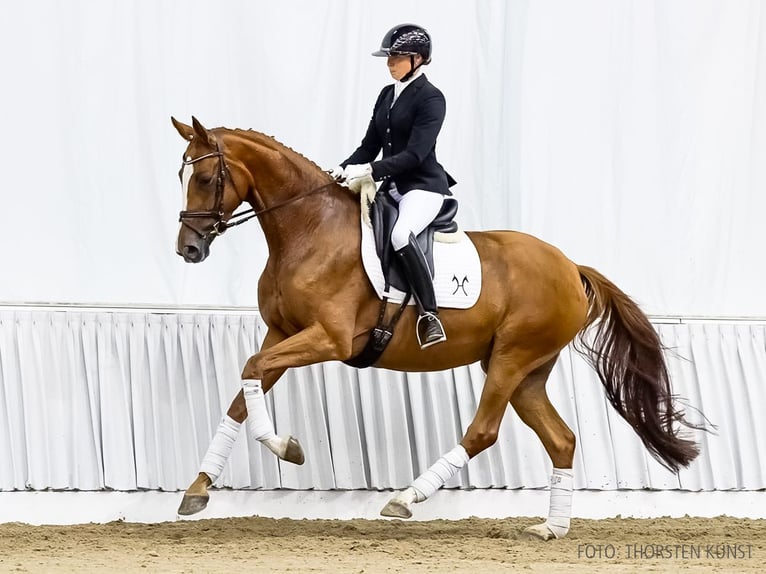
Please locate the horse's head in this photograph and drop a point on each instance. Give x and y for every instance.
(209, 189)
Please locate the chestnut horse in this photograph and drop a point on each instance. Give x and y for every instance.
(319, 305)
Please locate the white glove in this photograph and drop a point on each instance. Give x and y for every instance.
(356, 171)
(336, 173)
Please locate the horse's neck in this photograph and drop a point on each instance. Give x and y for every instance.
(305, 213)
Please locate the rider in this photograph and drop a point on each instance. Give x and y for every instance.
(406, 120)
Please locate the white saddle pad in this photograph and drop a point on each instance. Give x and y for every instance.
(457, 281)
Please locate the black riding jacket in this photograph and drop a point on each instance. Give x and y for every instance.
(407, 135)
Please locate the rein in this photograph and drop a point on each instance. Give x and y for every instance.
(221, 224)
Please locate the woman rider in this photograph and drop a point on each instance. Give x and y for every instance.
(406, 120)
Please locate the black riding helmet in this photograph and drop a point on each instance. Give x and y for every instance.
(406, 40)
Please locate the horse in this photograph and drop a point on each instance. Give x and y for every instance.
(319, 305)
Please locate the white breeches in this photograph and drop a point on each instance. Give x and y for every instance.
(417, 209)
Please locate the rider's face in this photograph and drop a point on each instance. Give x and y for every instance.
(399, 66)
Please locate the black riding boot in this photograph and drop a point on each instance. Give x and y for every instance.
(429, 328)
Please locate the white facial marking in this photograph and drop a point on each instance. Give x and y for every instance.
(186, 175)
(185, 179)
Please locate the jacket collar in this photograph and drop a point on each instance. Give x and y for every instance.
(400, 86)
(409, 90)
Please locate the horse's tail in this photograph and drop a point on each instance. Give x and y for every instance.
(627, 354)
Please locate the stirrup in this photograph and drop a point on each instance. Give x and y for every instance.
(431, 331)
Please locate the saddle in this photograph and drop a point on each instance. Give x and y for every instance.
(384, 213)
(457, 283)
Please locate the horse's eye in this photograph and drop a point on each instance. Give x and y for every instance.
(205, 179)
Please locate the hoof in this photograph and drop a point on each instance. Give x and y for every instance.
(539, 532)
(294, 452)
(396, 509)
(192, 504)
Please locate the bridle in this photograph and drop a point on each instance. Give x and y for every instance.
(220, 225)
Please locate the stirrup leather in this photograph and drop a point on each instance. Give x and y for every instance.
(429, 330)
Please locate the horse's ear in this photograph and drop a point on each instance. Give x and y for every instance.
(187, 132)
(202, 134)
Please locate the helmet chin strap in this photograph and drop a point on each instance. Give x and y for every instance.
(413, 69)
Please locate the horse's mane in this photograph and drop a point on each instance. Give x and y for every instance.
(307, 174)
(273, 144)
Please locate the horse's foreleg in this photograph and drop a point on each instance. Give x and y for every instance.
(261, 428)
(502, 378)
(312, 345)
(196, 496)
(228, 429)
(534, 408)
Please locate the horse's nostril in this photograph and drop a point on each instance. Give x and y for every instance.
(191, 253)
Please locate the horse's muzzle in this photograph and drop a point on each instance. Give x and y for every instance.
(194, 253)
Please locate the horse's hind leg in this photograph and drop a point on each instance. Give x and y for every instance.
(533, 407)
(506, 371)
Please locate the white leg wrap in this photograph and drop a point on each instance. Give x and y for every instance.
(259, 423)
(560, 511)
(442, 470)
(220, 448)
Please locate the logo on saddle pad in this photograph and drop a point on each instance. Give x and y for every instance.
(460, 285)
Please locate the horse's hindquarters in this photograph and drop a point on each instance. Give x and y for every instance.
(532, 298)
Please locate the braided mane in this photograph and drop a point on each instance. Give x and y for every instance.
(271, 143)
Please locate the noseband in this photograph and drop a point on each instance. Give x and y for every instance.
(221, 224)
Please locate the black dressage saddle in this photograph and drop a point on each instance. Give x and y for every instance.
(384, 212)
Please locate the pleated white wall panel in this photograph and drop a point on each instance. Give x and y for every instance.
(130, 401)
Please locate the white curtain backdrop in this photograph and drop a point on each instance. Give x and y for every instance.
(630, 134)
(130, 401)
